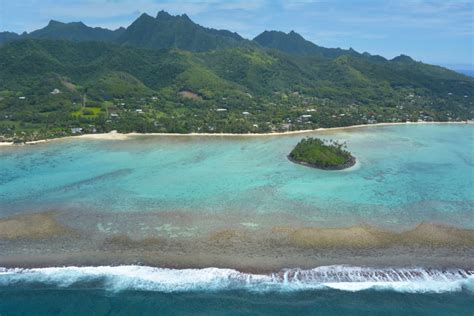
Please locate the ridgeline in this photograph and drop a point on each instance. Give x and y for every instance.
(168, 74)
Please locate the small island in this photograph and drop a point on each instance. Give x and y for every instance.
(316, 153)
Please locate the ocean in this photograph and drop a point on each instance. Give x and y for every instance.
(229, 226)
(134, 290)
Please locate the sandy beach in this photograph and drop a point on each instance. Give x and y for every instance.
(123, 136)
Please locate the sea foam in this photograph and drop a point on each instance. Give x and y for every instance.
(345, 278)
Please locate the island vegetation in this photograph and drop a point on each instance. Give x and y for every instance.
(327, 155)
(70, 79)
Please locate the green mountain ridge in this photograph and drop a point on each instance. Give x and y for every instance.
(167, 31)
(73, 31)
(294, 43)
(163, 31)
(218, 83)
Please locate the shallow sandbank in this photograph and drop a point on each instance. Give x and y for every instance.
(41, 240)
(31, 226)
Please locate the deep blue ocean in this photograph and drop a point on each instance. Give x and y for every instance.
(331, 302)
(135, 290)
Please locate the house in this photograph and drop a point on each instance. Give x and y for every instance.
(22, 98)
(55, 91)
(221, 110)
(246, 113)
(76, 130)
(139, 111)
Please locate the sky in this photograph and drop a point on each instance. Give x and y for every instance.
(433, 31)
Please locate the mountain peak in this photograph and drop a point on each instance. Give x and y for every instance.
(163, 15)
(295, 44)
(185, 17)
(280, 35)
(292, 42)
(73, 31)
(54, 23)
(144, 15)
(295, 35)
(403, 59)
(178, 31)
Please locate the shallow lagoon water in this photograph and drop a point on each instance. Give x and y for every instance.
(404, 175)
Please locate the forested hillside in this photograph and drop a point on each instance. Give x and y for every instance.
(168, 74)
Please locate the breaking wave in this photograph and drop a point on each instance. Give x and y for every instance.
(345, 278)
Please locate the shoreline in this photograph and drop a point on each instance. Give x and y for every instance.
(124, 136)
(351, 163)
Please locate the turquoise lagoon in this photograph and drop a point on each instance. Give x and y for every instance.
(147, 185)
(405, 174)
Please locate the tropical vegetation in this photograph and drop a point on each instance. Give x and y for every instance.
(168, 74)
(316, 153)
